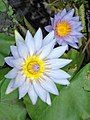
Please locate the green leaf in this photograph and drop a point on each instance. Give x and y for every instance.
(87, 82)
(72, 103)
(2, 5)
(77, 59)
(10, 107)
(1, 60)
(3, 71)
(82, 16)
(29, 26)
(5, 42)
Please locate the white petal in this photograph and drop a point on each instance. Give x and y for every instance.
(40, 91)
(48, 38)
(49, 85)
(23, 51)
(61, 81)
(20, 79)
(9, 61)
(59, 74)
(32, 94)
(11, 74)
(23, 89)
(10, 87)
(14, 51)
(58, 63)
(18, 38)
(18, 63)
(38, 39)
(30, 43)
(57, 52)
(47, 49)
(48, 101)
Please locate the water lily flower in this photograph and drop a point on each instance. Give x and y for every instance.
(36, 66)
(66, 28)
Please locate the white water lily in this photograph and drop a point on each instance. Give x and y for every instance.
(36, 66)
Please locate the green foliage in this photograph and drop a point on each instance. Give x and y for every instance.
(2, 5)
(72, 103)
(77, 60)
(82, 16)
(5, 42)
(10, 107)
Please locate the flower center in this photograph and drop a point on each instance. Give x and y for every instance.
(33, 67)
(62, 28)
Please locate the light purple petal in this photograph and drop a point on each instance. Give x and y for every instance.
(74, 45)
(52, 21)
(48, 28)
(70, 39)
(59, 16)
(75, 24)
(76, 18)
(69, 15)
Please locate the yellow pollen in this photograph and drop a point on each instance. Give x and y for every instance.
(62, 28)
(33, 67)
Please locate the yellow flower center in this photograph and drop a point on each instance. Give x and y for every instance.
(33, 67)
(62, 28)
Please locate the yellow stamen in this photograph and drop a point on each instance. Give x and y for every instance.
(33, 67)
(62, 28)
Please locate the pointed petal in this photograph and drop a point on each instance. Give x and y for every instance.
(69, 15)
(61, 81)
(57, 52)
(47, 49)
(49, 28)
(76, 18)
(32, 94)
(76, 33)
(75, 24)
(11, 74)
(18, 63)
(59, 16)
(79, 28)
(14, 51)
(40, 91)
(38, 39)
(10, 87)
(70, 39)
(48, 38)
(20, 79)
(58, 74)
(30, 43)
(49, 85)
(48, 101)
(58, 63)
(52, 21)
(19, 38)
(74, 45)
(23, 51)
(23, 89)
(9, 61)
(63, 13)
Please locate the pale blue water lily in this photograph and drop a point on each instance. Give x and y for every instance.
(36, 66)
(67, 28)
